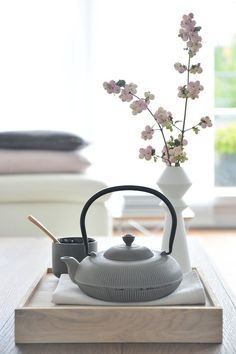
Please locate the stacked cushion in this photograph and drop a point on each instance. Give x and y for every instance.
(41, 140)
(42, 174)
(41, 151)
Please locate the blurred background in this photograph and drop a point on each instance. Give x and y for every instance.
(56, 54)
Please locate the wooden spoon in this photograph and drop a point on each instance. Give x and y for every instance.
(43, 228)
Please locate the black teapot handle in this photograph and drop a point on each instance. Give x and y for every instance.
(131, 188)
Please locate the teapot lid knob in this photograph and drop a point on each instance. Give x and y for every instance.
(128, 239)
(127, 251)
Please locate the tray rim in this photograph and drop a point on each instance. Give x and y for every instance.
(208, 331)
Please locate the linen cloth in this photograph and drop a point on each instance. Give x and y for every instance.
(189, 292)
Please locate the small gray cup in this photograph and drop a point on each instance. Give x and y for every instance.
(69, 246)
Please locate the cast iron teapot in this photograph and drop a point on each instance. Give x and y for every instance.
(126, 272)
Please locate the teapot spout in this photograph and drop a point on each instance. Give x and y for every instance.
(72, 266)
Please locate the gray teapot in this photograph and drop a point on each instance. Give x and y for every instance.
(126, 272)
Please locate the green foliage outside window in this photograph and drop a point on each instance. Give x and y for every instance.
(225, 142)
(225, 97)
(225, 75)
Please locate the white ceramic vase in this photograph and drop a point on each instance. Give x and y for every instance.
(174, 183)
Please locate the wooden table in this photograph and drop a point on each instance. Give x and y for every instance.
(23, 259)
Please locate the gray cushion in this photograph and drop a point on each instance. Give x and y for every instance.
(41, 140)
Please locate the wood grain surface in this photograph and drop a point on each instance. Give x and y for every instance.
(23, 259)
(38, 320)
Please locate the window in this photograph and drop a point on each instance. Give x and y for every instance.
(225, 112)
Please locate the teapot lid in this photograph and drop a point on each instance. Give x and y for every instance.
(127, 251)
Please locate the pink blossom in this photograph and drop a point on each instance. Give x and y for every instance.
(162, 117)
(147, 134)
(189, 33)
(180, 68)
(111, 87)
(182, 92)
(175, 152)
(188, 23)
(194, 36)
(194, 46)
(194, 89)
(138, 106)
(184, 141)
(128, 91)
(191, 91)
(132, 88)
(146, 153)
(187, 26)
(148, 96)
(205, 122)
(196, 69)
(175, 155)
(126, 96)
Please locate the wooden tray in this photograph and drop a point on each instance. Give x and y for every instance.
(38, 320)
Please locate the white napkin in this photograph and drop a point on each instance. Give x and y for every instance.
(189, 292)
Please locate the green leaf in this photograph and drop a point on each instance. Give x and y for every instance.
(176, 142)
(178, 121)
(196, 130)
(121, 83)
(169, 127)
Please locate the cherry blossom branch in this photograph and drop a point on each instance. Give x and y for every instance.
(186, 104)
(173, 152)
(160, 128)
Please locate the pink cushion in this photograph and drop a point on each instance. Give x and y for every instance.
(41, 161)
